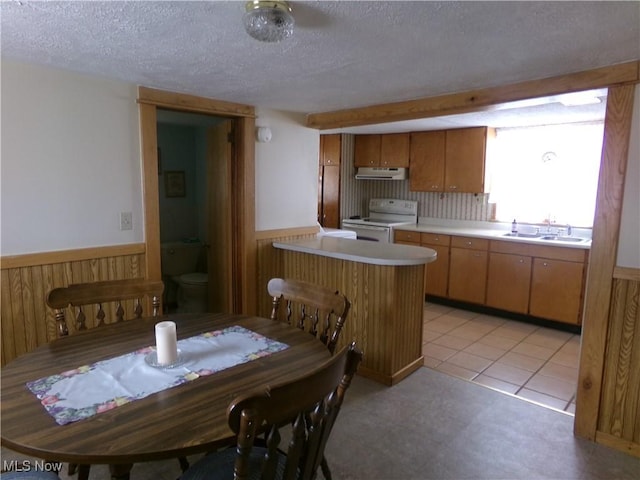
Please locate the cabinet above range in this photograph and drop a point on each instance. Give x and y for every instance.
(382, 150)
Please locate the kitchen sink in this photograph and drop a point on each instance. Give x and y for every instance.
(522, 235)
(545, 237)
(563, 239)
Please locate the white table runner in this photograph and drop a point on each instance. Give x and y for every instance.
(91, 389)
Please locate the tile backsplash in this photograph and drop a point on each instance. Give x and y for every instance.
(355, 194)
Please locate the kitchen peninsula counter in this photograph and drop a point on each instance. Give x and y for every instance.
(385, 285)
(375, 253)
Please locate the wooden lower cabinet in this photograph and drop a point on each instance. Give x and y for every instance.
(329, 210)
(556, 290)
(437, 280)
(508, 282)
(467, 275)
(437, 273)
(539, 280)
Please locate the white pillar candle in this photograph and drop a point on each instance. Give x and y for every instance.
(166, 343)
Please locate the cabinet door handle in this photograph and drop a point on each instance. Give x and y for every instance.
(469, 243)
(545, 264)
(477, 254)
(521, 261)
(434, 187)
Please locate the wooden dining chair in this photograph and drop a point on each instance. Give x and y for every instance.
(318, 310)
(101, 298)
(308, 406)
(108, 302)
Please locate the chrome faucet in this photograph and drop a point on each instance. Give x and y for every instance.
(568, 230)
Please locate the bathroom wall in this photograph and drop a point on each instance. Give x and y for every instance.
(182, 149)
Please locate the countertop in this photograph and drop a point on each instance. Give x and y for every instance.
(362, 251)
(497, 232)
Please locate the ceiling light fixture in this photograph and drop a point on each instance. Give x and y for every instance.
(268, 21)
(577, 99)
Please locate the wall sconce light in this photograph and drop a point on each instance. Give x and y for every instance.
(263, 134)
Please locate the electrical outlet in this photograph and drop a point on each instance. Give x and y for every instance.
(126, 221)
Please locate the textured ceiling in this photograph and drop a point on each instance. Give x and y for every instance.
(342, 54)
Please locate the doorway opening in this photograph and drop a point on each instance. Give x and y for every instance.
(194, 156)
(222, 213)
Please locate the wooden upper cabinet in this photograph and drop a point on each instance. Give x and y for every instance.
(448, 160)
(426, 161)
(386, 150)
(366, 151)
(394, 150)
(330, 148)
(465, 152)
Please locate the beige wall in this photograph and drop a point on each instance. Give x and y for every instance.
(629, 243)
(70, 160)
(286, 172)
(71, 163)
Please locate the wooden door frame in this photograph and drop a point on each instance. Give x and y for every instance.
(243, 184)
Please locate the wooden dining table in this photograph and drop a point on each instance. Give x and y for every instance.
(176, 422)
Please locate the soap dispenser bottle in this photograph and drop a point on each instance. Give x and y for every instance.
(514, 227)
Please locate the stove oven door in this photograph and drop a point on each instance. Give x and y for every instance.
(372, 233)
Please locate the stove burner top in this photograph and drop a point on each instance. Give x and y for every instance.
(375, 221)
(383, 222)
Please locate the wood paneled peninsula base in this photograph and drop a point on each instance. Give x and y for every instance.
(385, 285)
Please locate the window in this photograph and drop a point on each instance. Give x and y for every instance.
(546, 173)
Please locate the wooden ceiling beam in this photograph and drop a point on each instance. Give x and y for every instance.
(476, 100)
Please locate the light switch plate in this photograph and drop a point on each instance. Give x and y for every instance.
(126, 221)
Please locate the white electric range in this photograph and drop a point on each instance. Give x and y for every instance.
(384, 215)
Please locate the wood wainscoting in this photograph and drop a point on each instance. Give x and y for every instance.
(270, 262)
(26, 320)
(619, 417)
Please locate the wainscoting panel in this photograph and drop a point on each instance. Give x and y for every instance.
(26, 320)
(619, 418)
(270, 262)
(385, 318)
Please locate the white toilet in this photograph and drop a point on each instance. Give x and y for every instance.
(180, 265)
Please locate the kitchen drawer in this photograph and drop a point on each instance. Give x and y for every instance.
(559, 253)
(435, 239)
(541, 251)
(407, 236)
(470, 242)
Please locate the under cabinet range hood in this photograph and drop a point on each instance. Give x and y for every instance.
(381, 173)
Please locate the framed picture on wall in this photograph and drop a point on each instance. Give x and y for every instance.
(174, 183)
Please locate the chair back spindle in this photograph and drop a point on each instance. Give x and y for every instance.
(318, 310)
(308, 406)
(83, 296)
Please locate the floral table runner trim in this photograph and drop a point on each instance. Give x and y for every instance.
(91, 389)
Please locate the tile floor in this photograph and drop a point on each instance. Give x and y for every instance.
(535, 363)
